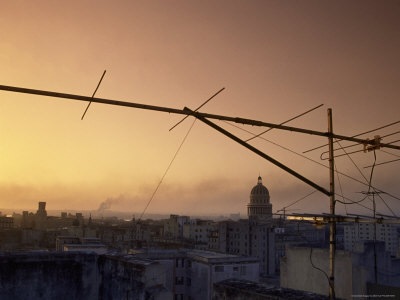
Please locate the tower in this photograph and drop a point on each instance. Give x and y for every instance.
(259, 208)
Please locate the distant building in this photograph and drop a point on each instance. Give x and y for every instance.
(63, 240)
(173, 228)
(197, 231)
(388, 233)
(249, 237)
(6, 222)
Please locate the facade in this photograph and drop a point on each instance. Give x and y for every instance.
(83, 275)
(197, 231)
(194, 272)
(388, 233)
(297, 233)
(173, 227)
(354, 271)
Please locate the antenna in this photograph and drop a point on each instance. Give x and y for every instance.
(104, 73)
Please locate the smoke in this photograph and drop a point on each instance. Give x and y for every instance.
(108, 203)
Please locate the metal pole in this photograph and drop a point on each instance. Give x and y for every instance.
(375, 259)
(188, 112)
(332, 222)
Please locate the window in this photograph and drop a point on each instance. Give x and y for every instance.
(179, 280)
(188, 281)
(242, 270)
(219, 268)
(235, 269)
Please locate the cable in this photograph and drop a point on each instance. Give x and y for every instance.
(383, 163)
(166, 171)
(357, 151)
(357, 144)
(369, 131)
(353, 162)
(386, 204)
(312, 263)
(372, 172)
(298, 200)
(389, 153)
(298, 116)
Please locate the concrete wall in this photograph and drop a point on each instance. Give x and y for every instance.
(48, 276)
(353, 270)
(298, 273)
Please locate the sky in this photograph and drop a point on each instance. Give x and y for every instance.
(276, 59)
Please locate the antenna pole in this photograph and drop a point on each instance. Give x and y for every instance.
(332, 222)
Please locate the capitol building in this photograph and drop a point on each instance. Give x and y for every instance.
(259, 209)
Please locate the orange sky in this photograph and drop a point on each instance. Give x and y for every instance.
(275, 58)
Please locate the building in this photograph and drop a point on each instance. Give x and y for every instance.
(249, 237)
(194, 272)
(388, 233)
(234, 289)
(197, 231)
(6, 222)
(297, 233)
(80, 275)
(173, 227)
(259, 208)
(303, 269)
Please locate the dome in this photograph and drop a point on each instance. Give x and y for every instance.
(259, 193)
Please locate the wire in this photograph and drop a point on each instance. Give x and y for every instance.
(298, 200)
(369, 131)
(278, 145)
(357, 151)
(389, 153)
(166, 171)
(386, 204)
(311, 261)
(312, 160)
(383, 163)
(353, 162)
(197, 108)
(372, 172)
(369, 188)
(357, 144)
(298, 116)
(352, 201)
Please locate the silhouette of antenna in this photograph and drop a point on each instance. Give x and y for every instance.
(94, 93)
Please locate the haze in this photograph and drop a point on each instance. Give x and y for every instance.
(276, 59)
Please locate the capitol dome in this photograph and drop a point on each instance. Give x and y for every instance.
(259, 194)
(259, 207)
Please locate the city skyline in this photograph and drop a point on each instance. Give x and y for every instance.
(275, 59)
